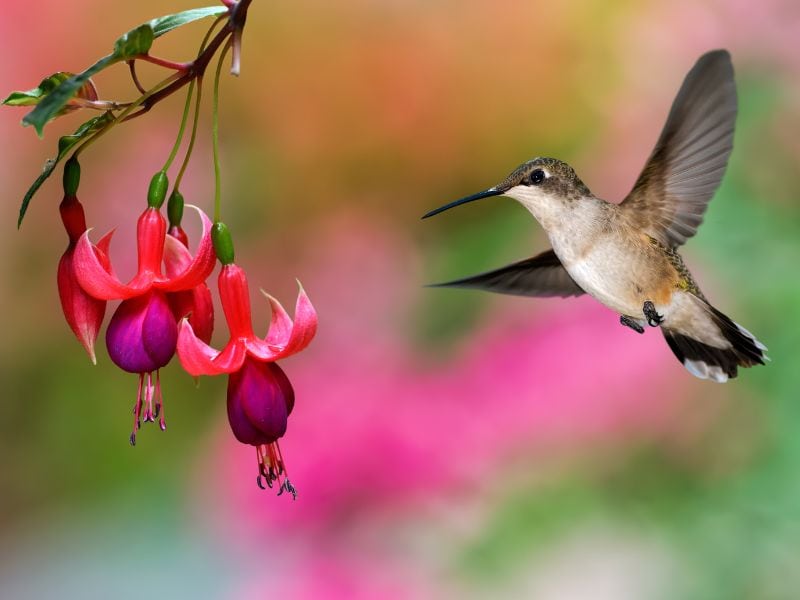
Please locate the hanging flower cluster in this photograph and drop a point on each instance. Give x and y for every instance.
(166, 308)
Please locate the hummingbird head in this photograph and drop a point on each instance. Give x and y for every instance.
(547, 187)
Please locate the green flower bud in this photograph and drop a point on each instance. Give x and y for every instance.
(223, 243)
(158, 190)
(175, 208)
(72, 176)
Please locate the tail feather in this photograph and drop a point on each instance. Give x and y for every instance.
(708, 361)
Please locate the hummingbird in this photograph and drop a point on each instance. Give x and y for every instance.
(625, 255)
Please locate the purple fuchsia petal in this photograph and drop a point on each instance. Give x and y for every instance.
(142, 334)
(258, 402)
(243, 430)
(159, 331)
(286, 386)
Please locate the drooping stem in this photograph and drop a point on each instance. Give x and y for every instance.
(215, 134)
(193, 136)
(135, 77)
(184, 118)
(196, 118)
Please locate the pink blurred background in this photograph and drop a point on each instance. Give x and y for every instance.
(444, 443)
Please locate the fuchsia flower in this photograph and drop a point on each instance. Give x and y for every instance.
(260, 396)
(142, 334)
(84, 314)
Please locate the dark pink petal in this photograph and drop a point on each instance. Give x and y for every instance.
(199, 269)
(142, 334)
(258, 406)
(84, 314)
(198, 358)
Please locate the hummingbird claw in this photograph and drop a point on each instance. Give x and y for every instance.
(653, 318)
(632, 323)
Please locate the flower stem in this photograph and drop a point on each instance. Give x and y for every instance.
(215, 133)
(182, 129)
(193, 136)
(196, 118)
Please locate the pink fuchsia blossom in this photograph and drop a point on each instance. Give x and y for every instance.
(84, 313)
(260, 396)
(142, 334)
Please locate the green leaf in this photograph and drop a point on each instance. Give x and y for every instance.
(37, 94)
(65, 144)
(167, 23)
(52, 104)
(134, 42)
(34, 96)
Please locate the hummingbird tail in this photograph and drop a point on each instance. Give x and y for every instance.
(708, 361)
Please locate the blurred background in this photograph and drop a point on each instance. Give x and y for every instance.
(444, 443)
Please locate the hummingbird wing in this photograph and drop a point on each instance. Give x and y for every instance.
(689, 159)
(543, 275)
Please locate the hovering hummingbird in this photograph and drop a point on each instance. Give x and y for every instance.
(625, 255)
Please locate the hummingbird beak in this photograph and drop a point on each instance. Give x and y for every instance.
(493, 191)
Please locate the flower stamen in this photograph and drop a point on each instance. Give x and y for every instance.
(272, 468)
(149, 398)
(137, 410)
(159, 412)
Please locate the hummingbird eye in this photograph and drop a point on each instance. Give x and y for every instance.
(537, 177)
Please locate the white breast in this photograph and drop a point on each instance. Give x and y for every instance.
(604, 274)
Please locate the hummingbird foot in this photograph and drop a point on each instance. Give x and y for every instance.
(653, 318)
(632, 323)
